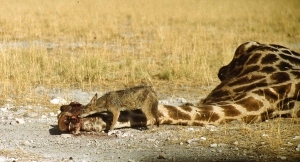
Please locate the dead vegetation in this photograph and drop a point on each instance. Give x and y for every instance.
(105, 45)
(88, 45)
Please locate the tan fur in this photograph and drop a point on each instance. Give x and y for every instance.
(139, 97)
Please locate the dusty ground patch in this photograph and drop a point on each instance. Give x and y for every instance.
(38, 139)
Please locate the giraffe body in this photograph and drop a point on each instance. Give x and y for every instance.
(261, 82)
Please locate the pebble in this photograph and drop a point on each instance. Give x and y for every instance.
(222, 144)
(27, 143)
(298, 147)
(165, 102)
(181, 100)
(32, 114)
(114, 132)
(20, 121)
(190, 129)
(4, 109)
(192, 140)
(151, 140)
(296, 137)
(52, 114)
(58, 101)
(236, 148)
(66, 135)
(211, 127)
(281, 157)
(2, 158)
(213, 145)
(162, 156)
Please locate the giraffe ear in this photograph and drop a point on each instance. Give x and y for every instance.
(93, 100)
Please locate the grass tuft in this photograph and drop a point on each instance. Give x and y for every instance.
(86, 44)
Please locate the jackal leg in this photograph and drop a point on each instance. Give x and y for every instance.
(154, 110)
(149, 108)
(116, 114)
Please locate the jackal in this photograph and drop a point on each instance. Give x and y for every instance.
(139, 97)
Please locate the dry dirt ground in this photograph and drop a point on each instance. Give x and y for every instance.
(35, 136)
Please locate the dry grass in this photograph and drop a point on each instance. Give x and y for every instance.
(264, 140)
(109, 44)
(105, 45)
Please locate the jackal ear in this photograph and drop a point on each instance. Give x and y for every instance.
(65, 108)
(93, 100)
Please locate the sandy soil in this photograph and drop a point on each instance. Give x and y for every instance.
(35, 136)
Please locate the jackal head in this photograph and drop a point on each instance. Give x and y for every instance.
(90, 108)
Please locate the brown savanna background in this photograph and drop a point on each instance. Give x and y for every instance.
(105, 45)
(177, 46)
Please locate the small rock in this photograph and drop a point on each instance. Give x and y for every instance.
(65, 135)
(164, 102)
(203, 138)
(58, 101)
(181, 143)
(281, 157)
(211, 127)
(221, 144)
(3, 109)
(236, 148)
(131, 160)
(192, 140)
(8, 106)
(52, 114)
(236, 143)
(296, 137)
(213, 145)
(20, 121)
(32, 114)
(27, 143)
(126, 134)
(117, 133)
(190, 129)
(13, 123)
(298, 147)
(264, 135)
(2, 158)
(162, 156)
(151, 140)
(71, 159)
(181, 100)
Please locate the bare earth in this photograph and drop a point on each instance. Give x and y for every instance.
(35, 137)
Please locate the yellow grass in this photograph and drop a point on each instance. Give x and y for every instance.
(109, 44)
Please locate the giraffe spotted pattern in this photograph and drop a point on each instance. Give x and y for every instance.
(261, 82)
